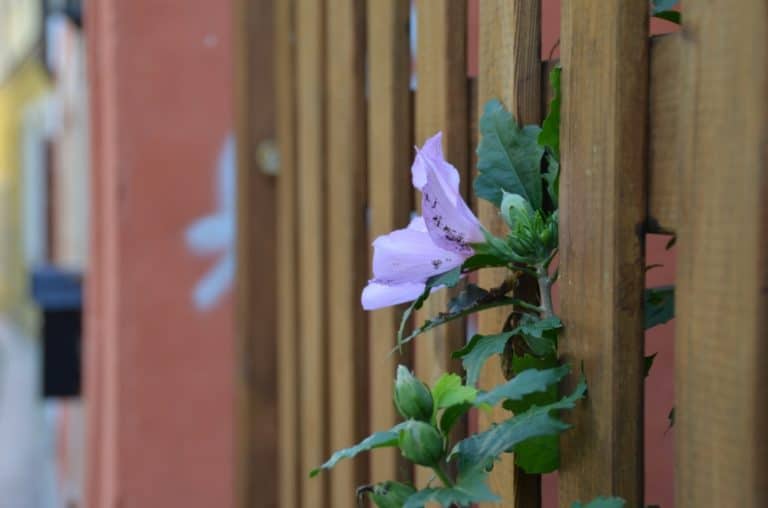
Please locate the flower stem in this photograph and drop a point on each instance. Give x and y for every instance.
(438, 469)
(545, 292)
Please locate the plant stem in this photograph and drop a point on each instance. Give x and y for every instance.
(525, 305)
(438, 469)
(545, 292)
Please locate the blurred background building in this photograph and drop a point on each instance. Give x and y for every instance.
(145, 194)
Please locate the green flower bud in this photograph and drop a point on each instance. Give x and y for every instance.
(413, 399)
(548, 234)
(391, 494)
(514, 208)
(421, 443)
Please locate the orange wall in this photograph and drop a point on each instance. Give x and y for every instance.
(159, 387)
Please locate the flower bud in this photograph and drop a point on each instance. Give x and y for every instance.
(421, 443)
(548, 234)
(391, 494)
(514, 207)
(413, 399)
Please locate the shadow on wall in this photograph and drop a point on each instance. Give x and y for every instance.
(214, 234)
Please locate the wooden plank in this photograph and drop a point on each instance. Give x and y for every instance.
(312, 300)
(441, 105)
(347, 251)
(256, 282)
(510, 70)
(602, 212)
(389, 197)
(664, 142)
(665, 135)
(290, 476)
(720, 349)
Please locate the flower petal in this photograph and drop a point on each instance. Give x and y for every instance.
(431, 155)
(450, 222)
(410, 255)
(377, 295)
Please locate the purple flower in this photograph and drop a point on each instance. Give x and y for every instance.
(433, 244)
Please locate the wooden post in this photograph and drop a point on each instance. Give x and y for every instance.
(510, 70)
(346, 247)
(721, 371)
(256, 324)
(311, 313)
(291, 477)
(389, 197)
(441, 105)
(602, 212)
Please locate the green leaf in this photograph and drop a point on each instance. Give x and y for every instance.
(447, 279)
(522, 364)
(662, 5)
(467, 302)
(478, 350)
(377, 440)
(601, 502)
(509, 157)
(496, 247)
(452, 414)
(391, 494)
(529, 381)
(538, 455)
(540, 334)
(672, 16)
(659, 305)
(449, 391)
(549, 136)
(470, 488)
(481, 450)
(482, 261)
(649, 363)
(552, 179)
(671, 242)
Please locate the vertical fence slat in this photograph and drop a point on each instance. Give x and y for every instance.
(603, 151)
(441, 105)
(311, 311)
(720, 368)
(346, 247)
(510, 70)
(256, 281)
(389, 195)
(664, 142)
(290, 479)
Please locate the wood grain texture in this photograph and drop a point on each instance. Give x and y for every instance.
(510, 70)
(665, 134)
(256, 325)
(346, 247)
(389, 199)
(312, 267)
(289, 473)
(602, 215)
(720, 349)
(441, 105)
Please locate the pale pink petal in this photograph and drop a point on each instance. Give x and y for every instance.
(431, 156)
(410, 255)
(450, 222)
(377, 295)
(418, 224)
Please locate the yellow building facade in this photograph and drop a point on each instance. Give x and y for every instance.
(27, 84)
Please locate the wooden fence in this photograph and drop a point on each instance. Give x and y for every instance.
(658, 135)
